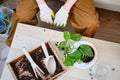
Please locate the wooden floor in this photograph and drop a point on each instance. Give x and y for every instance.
(109, 21)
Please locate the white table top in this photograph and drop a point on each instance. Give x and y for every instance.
(108, 52)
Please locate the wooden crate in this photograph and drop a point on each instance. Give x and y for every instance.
(19, 66)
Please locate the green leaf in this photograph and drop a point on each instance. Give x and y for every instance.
(69, 61)
(67, 35)
(66, 50)
(75, 36)
(86, 49)
(62, 44)
(75, 54)
(72, 58)
(82, 54)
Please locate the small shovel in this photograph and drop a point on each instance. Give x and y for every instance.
(49, 60)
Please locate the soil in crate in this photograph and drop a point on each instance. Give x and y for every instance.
(23, 70)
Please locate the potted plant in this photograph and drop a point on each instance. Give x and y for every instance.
(81, 54)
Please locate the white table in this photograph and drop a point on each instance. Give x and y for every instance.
(108, 52)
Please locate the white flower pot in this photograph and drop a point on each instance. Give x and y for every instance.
(88, 64)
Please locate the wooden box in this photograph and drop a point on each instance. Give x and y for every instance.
(22, 70)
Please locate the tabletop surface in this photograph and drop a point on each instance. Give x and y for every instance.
(108, 52)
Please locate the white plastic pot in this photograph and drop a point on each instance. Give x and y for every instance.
(88, 64)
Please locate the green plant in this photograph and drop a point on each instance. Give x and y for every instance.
(80, 54)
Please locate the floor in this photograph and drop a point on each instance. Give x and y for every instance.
(109, 23)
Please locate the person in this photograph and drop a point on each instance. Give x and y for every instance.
(82, 13)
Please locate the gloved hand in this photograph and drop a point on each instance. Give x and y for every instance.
(46, 14)
(61, 18)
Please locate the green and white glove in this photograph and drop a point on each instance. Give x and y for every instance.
(61, 17)
(46, 14)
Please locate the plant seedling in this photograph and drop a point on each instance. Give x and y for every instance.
(80, 54)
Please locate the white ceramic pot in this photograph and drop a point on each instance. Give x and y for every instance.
(88, 64)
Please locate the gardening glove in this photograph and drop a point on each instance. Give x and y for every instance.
(46, 14)
(61, 17)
